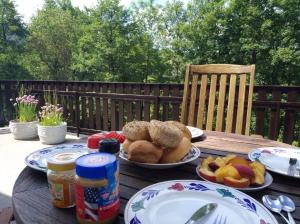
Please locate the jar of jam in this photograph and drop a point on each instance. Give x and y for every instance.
(61, 179)
(110, 145)
(93, 142)
(97, 188)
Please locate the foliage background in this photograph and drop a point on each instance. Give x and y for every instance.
(148, 42)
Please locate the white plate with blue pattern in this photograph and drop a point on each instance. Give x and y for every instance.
(176, 201)
(193, 154)
(277, 159)
(38, 159)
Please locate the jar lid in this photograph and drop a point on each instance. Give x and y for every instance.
(96, 165)
(62, 161)
(93, 140)
(111, 145)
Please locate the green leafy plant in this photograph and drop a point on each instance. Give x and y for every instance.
(51, 115)
(25, 107)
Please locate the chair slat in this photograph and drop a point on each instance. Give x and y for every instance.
(216, 68)
(241, 104)
(250, 96)
(211, 102)
(201, 105)
(193, 100)
(221, 99)
(185, 95)
(230, 107)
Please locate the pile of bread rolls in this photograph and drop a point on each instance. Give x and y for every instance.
(156, 141)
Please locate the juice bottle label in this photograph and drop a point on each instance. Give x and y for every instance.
(97, 203)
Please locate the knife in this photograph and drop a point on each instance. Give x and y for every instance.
(202, 213)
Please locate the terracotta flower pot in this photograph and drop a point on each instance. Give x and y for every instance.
(23, 130)
(51, 135)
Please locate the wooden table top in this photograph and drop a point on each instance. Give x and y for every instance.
(31, 197)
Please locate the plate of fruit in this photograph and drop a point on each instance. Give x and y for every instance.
(235, 171)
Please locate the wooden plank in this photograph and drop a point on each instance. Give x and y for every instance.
(121, 108)
(193, 98)
(105, 109)
(166, 104)
(289, 119)
(221, 100)
(98, 109)
(260, 114)
(241, 104)
(275, 116)
(156, 112)
(230, 107)
(138, 109)
(211, 103)
(250, 98)
(202, 98)
(129, 105)
(216, 68)
(113, 110)
(184, 106)
(147, 104)
(175, 106)
(91, 108)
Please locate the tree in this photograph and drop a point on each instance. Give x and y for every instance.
(12, 36)
(51, 43)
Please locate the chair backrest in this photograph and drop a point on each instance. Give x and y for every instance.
(217, 75)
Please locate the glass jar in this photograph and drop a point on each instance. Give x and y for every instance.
(93, 142)
(97, 188)
(61, 179)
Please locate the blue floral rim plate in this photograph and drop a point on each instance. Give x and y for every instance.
(176, 201)
(38, 159)
(193, 154)
(277, 160)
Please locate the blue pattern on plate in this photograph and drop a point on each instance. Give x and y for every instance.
(45, 151)
(150, 194)
(135, 220)
(196, 187)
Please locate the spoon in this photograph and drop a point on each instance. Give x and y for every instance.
(273, 205)
(287, 205)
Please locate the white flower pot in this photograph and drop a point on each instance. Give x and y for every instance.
(23, 130)
(52, 134)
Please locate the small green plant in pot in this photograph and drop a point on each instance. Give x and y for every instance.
(25, 125)
(52, 129)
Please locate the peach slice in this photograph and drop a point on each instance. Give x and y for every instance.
(216, 164)
(207, 174)
(258, 165)
(205, 162)
(238, 161)
(226, 171)
(229, 157)
(244, 171)
(259, 177)
(231, 182)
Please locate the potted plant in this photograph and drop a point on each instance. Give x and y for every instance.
(52, 129)
(25, 125)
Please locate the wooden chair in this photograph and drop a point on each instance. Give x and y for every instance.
(217, 76)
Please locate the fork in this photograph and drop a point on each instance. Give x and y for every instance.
(220, 220)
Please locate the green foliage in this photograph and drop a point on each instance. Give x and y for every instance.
(25, 107)
(149, 42)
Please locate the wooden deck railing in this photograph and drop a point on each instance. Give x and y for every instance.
(93, 106)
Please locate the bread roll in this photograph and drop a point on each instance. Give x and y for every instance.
(144, 152)
(185, 131)
(174, 155)
(136, 130)
(164, 135)
(126, 145)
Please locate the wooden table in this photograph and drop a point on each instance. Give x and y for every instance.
(31, 198)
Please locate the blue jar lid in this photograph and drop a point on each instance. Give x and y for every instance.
(96, 166)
